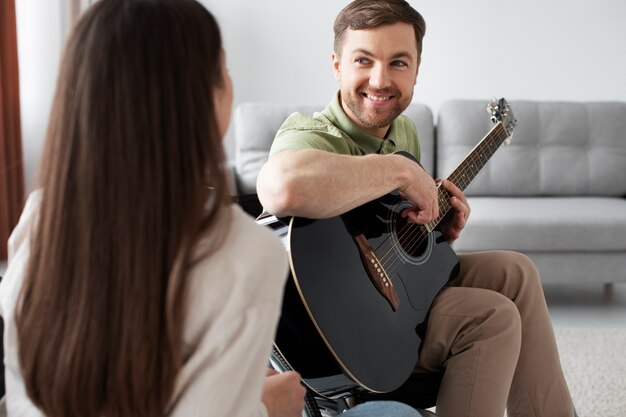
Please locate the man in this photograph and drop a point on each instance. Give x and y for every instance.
(489, 329)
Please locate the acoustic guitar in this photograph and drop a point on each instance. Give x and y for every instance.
(362, 283)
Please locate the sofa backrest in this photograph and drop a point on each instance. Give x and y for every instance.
(256, 125)
(557, 148)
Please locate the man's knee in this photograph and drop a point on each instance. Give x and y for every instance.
(521, 262)
(506, 272)
(517, 272)
(521, 272)
(478, 314)
(504, 321)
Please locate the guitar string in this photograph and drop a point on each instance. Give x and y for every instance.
(413, 229)
(409, 230)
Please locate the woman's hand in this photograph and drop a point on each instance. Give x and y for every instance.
(283, 394)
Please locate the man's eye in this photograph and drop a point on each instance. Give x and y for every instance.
(399, 64)
(362, 61)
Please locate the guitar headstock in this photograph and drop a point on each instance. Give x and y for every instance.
(501, 112)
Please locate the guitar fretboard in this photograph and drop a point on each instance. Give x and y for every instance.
(467, 170)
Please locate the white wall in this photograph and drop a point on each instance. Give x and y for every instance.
(40, 32)
(279, 51)
(544, 50)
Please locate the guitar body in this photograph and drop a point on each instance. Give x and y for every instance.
(373, 344)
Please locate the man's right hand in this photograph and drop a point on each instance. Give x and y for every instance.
(421, 190)
(283, 394)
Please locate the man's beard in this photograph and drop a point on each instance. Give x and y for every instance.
(372, 117)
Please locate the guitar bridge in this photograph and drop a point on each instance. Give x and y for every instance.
(376, 272)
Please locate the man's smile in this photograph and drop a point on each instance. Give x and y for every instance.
(376, 98)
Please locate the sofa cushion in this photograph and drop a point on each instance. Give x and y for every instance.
(256, 125)
(545, 224)
(559, 149)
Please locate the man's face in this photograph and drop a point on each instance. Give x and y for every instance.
(377, 70)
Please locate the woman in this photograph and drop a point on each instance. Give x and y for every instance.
(134, 288)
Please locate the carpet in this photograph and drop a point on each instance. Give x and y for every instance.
(594, 364)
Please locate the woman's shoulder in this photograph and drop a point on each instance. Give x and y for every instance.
(250, 239)
(249, 259)
(18, 252)
(26, 222)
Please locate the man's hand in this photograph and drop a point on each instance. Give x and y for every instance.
(456, 219)
(421, 191)
(283, 394)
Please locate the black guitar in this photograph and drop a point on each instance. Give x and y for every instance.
(363, 283)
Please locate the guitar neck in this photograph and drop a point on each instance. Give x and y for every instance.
(467, 170)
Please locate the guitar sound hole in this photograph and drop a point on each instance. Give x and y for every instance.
(413, 238)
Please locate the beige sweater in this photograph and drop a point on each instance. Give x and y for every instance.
(234, 303)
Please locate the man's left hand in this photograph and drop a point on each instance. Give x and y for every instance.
(456, 219)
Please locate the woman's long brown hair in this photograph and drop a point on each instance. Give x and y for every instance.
(131, 175)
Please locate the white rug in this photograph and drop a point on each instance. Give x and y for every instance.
(594, 363)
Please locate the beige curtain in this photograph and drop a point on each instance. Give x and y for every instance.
(11, 164)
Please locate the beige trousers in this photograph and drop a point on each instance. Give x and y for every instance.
(490, 332)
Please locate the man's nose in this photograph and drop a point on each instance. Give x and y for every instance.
(379, 77)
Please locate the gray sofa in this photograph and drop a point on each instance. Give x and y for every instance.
(557, 193)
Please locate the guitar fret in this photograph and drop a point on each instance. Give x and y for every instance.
(479, 156)
(465, 173)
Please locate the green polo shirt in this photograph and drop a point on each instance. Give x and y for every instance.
(332, 130)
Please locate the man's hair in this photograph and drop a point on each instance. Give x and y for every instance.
(131, 178)
(369, 14)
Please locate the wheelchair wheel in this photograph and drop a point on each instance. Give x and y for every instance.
(311, 408)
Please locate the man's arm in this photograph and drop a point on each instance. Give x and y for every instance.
(317, 184)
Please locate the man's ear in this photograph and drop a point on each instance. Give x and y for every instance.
(336, 65)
